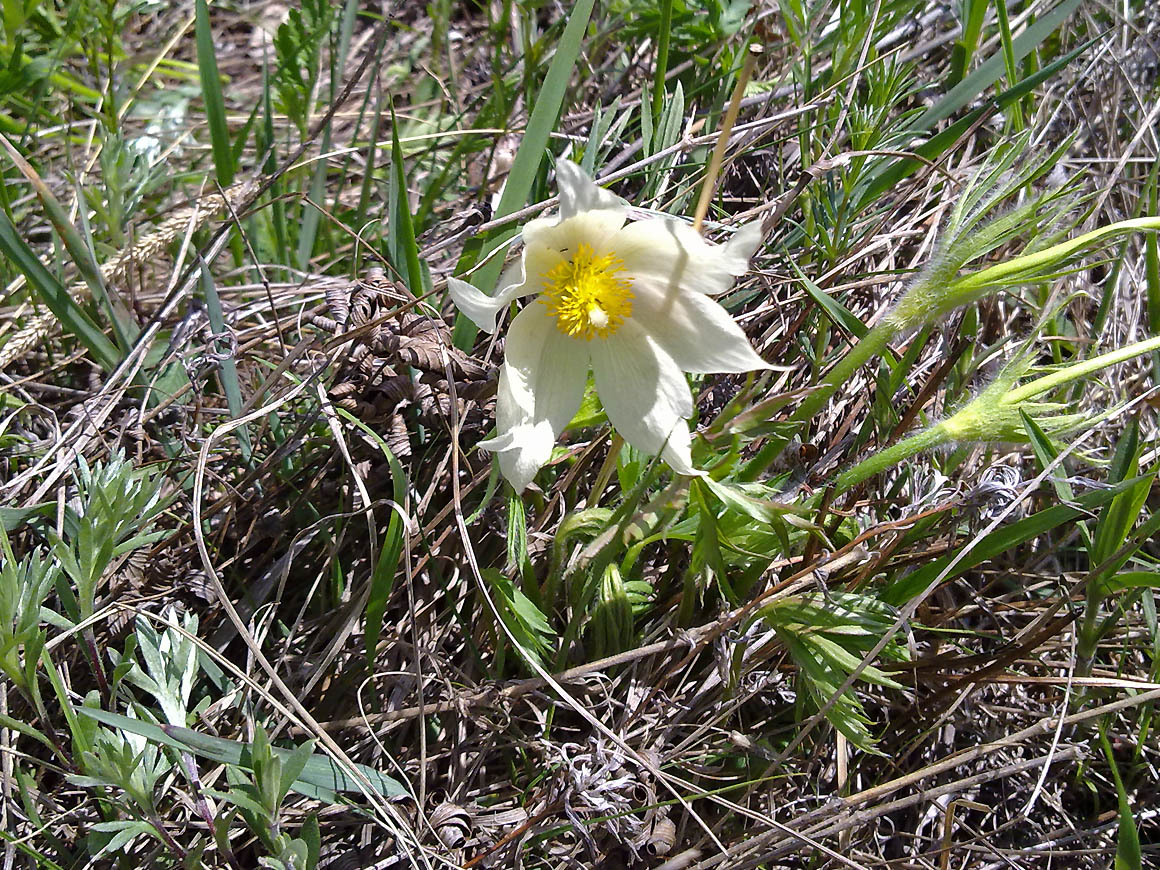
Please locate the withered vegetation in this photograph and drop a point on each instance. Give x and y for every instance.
(953, 664)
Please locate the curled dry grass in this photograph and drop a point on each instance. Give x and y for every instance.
(695, 744)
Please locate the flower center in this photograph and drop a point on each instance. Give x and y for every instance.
(586, 296)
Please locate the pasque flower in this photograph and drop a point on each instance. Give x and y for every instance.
(630, 301)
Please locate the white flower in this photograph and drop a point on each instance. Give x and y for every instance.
(630, 301)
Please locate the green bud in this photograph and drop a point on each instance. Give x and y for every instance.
(995, 414)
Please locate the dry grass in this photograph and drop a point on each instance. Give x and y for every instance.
(337, 490)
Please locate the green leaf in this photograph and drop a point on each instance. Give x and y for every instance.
(1128, 853)
(706, 557)
(591, 411)
(320, 774)
(211, 93)
(27, 730)
(13, 518)
(309, 834)
(1045, 452)
(847, 713)
(1152, 268)
(517, 534)
(1132, 580)
(292, 766)
(752, 499)
(611, 625)
(827, 636)
(126, 832)
(647, 123)
(834, 309)
(383, 578)
(1118, 517)
(523, 619)
(843, 660)
(238, 798)
(403, 251)
(1001, 540)
(54, 295)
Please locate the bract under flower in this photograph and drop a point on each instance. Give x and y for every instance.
(633, 303)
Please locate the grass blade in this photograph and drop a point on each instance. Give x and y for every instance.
(893, 173)
(383, 578)
(1008, 49)
(266, 145)
(1001, 540)
(1128, 853)
(401, 247)
(545, 111)
(124, 328)
(211, 93)
(312, 217)
(1152, 270)
(974, 13)
(228, 367)
(994, 67)
(663, 34)
(53, 294)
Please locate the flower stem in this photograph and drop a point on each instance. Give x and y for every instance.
(963, 290)
(605, 473)
(987, 410)
(894, 454)
(870, 345)
(1081, 369)
(1015, 269)
(710, 183)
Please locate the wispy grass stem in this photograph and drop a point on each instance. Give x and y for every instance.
(710, 183)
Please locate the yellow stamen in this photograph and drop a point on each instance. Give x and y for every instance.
(586, 296)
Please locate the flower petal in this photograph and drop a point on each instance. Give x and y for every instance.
(522, 452)
(546, 371)
(644, 394)
(597, 229)
(540, 388)
(745, 242)
(579, 193)
(535, 261)
(694, 330)
(477, 305)
(674, 257)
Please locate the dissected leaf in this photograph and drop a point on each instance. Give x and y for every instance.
(320, 775)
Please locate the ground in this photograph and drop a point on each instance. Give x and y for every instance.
(264, 601)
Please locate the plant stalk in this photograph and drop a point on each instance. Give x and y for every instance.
(730, 119)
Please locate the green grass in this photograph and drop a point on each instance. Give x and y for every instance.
(263, 600)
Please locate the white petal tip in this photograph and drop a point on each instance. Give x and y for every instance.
(745, 242)
(681, 466)
(523, 450)
(477, 305)
(578, 192)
